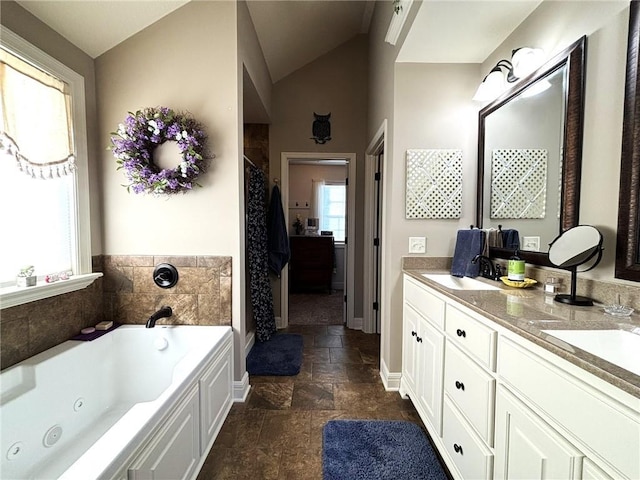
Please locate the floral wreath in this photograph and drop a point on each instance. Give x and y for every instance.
(136, 139)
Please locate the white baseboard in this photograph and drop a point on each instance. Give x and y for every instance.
(279, 323)
(241, 388)
(390, 380)
(249, 340)
(357, 324)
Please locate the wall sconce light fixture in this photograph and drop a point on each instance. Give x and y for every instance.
(523, 61)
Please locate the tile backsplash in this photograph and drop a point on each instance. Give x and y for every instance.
(202, 295)
(126, 294)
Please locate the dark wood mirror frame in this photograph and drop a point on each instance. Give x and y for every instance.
(574, 58)
(627, 240)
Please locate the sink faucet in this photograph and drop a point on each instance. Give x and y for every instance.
(164, 312)
(487, 268)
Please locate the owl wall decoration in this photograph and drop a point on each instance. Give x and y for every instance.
(321, 128)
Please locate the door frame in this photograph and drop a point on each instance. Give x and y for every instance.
(368, 315)
(350, 158)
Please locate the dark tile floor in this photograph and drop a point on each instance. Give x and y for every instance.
(277, 432)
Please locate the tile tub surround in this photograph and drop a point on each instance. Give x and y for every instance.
(126, 293)
(31, 328)
(529, 311)
(202, 295)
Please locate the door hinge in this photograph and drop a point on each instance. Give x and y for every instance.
(376, 242)
(375, 305)
(345, 299)
(346, 181)
(377, 177)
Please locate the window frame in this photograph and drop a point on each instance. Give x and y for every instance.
(81, 238)
(338, 183)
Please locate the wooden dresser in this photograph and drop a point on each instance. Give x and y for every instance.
(311, 264)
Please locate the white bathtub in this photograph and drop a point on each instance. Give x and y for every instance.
(99, 409)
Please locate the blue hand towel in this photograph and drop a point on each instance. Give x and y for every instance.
(511, 239)
(469, 243)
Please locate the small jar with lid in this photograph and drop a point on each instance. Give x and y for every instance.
(552, 285)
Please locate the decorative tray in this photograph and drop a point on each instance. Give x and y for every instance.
(526, 283)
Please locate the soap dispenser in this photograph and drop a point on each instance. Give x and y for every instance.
(515, 268)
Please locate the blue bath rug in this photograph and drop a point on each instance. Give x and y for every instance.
(377, 450)
(281, 355)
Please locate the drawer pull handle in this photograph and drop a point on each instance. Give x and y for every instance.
(419, 339)
(460, 385)
(413, 334)
(457, 448)
(461, 333)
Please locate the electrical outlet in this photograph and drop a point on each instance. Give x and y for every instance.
(417, 244)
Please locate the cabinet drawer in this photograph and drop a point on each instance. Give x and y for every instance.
(472, 389)
(598, 421)
(471, 456)
(427, 304)
(472, 336)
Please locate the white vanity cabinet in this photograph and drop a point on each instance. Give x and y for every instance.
(500, 406)
(423, 349)
(527, 447)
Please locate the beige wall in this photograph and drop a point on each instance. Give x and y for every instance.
(336, 83)
(382, 96)
(186, 61)
(300, 178)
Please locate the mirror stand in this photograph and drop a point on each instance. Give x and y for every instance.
(572, 298)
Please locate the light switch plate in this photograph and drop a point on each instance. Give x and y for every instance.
(417, 245)
(531, 243)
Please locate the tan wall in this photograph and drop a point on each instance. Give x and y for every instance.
(186, 61)
(336, 83)
(300, 179)
(382, 96)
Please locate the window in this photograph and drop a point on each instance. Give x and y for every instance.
(334, 210)
(43, 166)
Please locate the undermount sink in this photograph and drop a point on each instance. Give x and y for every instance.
(459, 283)
(619, 347)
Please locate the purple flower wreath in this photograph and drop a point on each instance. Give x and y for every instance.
(136, 139)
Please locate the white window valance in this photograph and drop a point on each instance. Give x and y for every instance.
(35, 116)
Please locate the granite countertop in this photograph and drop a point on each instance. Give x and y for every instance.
(529, 311)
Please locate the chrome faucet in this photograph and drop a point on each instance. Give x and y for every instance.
(164, 312)
(487, 268)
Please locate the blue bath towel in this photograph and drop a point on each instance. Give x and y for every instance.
(469, 243)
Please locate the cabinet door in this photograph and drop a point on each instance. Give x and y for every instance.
(527, 447)
(428, 374)
(174, 452)
(409, 360)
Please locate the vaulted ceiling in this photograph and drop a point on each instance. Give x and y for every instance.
(294, 33)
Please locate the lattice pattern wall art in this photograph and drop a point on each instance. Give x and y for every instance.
(518, 183)
(434, 183)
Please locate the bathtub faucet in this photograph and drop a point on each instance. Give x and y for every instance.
(164, 312)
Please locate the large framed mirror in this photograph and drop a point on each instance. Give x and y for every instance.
(628, 241)
(530, 156)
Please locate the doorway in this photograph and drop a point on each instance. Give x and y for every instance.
(373, 233)
(347, 160)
